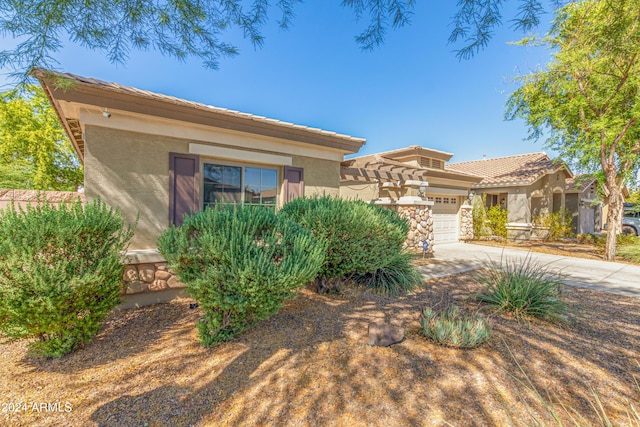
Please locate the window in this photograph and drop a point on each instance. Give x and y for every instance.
(438, 199)
(237, 184)
(445, 200)
(454, 200)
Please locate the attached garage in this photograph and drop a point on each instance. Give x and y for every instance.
(445, 219)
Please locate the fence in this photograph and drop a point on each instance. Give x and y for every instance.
(25, 197)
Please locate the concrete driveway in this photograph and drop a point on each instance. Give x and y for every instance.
(613, 277)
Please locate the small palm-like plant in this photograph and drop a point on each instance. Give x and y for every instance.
(451, 328)
(523, 287)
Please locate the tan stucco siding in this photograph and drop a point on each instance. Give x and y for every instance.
(360, 191)
(518, 207)
(321, 177)
(130, 171)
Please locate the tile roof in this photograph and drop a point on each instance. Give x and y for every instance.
(522, 169)
(579, 182)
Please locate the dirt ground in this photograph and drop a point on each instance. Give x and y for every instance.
(311, 365)
(565, 248)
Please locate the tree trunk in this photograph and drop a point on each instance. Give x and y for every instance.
(614, 218)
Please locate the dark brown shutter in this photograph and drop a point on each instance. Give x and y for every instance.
(293, 183)
(184, 186)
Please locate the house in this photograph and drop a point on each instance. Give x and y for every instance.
(161, 157)
(157, 158)
(416, 182)
(583, 204)
(529, 185)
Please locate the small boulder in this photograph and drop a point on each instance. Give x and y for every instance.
(384, 335)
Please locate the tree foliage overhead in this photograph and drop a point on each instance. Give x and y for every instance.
(586, 103)
(35, 152)
(196, 28)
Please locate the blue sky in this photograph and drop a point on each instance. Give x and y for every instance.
(412, 90)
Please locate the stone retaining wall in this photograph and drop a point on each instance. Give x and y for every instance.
(148, 277)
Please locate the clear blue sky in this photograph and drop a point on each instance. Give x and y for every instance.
(412, 90)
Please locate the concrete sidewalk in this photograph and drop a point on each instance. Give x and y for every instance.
(452, 258)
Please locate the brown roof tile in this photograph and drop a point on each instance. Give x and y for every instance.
(511, 170)
(578, 182)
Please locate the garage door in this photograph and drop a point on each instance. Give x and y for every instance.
(445, 228)
(445, 219)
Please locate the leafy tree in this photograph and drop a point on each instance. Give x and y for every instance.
(35, 152)
(586, 100)
(193, 28)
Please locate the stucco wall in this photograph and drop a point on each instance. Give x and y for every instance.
(130, 171)
(518, 206)
(320, 176)
(359, 191)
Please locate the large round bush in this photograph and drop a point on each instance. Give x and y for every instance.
(240, 264)
(60, 272)
(360, 238)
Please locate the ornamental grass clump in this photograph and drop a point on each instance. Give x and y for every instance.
(453, 329)
(360, 238)
(396, 278)
(524, 288)
(240, 264)
(60, 273)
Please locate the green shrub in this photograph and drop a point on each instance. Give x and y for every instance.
(560, 224)
(630, 251)
(240, 264)
(522, 287)
(360, 238)
(60, 273)
(590, 239)
(497, 221)
(479, 214)
(397, 277)
(452, 329)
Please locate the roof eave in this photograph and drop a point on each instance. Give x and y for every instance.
(173, 108)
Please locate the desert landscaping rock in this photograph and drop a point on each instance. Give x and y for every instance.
(384, 335)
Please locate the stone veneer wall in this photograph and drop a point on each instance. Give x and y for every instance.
(466, 222)
(421, 225)
(148, 277)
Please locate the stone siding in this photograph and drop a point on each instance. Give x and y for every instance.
(421, 226)
(148, 277)
(466, 223)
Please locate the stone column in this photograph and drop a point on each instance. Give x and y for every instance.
(418, 214)
(466, 222)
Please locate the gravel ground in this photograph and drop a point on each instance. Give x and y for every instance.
(310, 365)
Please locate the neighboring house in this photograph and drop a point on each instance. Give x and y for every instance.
(530, 185)
(161, 157)
(583, 204)
(414, 177)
